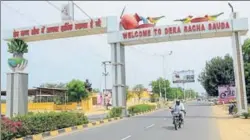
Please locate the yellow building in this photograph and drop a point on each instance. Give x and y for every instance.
(134, 99)
(43, 103)
(42, 99)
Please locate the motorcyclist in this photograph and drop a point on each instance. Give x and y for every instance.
(178, 107)
(231, 107)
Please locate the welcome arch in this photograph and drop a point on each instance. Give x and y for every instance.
(134, 34)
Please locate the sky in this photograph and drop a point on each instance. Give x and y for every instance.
(62, 60)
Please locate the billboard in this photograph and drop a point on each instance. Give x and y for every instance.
(185, 76)
(226, 93)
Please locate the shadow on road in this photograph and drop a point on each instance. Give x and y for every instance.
(168, 127)
(187, 117)
(200, 105)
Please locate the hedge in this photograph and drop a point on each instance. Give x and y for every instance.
(246, 115)
(140, 108)
(115, 112)
(10, 129)
(31, 124)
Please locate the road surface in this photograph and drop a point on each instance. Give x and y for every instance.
(199, 125)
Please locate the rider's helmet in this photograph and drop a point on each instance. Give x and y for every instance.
(178, 101)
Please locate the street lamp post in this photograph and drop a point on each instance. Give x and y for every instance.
(232, 8)
(160, 90)
(164, 73)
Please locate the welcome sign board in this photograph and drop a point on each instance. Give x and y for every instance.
(180, 32)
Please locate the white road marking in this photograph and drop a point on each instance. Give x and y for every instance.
(165, 119)
(150, 126)
(126, 137)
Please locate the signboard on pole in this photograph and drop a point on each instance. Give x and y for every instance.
(226, 93)
(66, 12)
(185, 76)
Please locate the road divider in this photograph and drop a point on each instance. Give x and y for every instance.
(53, 133)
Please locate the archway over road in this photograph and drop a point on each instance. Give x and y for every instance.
(118, 39)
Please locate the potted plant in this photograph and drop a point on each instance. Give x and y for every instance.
(17, 47)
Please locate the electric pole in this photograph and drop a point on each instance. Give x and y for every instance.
(184, 94)
(105, 74)
(160, 89)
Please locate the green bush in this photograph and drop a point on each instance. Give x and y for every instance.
(235, 110)
(140, 108)
(42, 122)
(10, 129)
(246, 115)
(154, 97)
(115, 112)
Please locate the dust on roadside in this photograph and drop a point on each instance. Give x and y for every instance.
(231, 128)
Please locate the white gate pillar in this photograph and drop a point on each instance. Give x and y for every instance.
(239, 70)
(118, 68)
(17, 94)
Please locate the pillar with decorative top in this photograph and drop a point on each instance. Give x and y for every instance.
(17, 80)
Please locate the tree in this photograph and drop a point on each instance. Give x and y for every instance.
(88, 85)
(154, 97)
(246, 57)
(218, 71)
(76, 91)
(95, 90)
(175, 93)
(138, 90)
(190, 93)
(53, 85)
(161, 85)
(128, 95)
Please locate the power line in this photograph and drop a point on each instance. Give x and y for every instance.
(81, 10)
(22, 14)
(85, 13)
(33, 20)
(89, 18)
(53, 5)
(73, 4)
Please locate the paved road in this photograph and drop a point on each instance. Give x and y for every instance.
(199, 124)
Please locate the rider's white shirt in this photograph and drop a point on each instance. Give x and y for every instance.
(178, 108)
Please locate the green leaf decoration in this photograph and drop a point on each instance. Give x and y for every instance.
(17, 46)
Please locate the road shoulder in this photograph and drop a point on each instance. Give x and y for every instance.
(231, 128)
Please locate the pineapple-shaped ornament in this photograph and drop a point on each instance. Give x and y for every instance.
(17, 47)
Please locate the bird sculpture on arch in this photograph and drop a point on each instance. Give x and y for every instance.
(129, 21)
(206, 18)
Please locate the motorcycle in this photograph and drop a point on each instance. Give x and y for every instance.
(177, 120)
